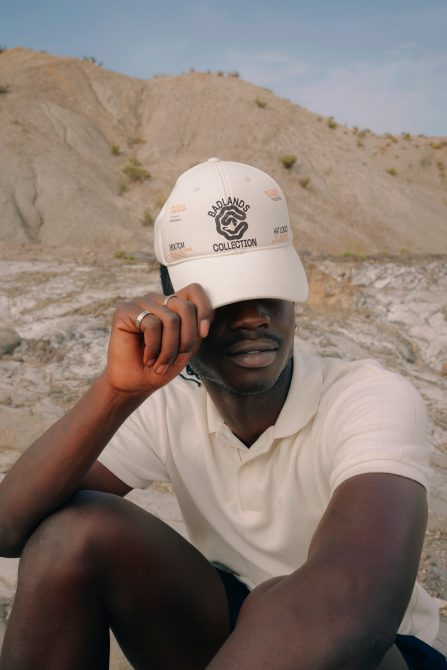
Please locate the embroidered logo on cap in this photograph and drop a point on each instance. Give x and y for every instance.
(230, 217)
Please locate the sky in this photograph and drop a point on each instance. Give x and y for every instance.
(380, 65)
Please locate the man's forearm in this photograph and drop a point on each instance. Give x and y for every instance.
(51, 469)
(343, 607)
(304, 622)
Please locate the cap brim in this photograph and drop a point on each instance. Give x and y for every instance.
(264, 273)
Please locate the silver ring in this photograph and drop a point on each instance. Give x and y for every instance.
(168, 297)
(140, 318)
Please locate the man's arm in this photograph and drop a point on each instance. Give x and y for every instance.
(99, 478)
(140, 361)
(342, 608)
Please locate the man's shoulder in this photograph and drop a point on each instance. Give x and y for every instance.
(340, 372)
(349, 377)
(363, 383)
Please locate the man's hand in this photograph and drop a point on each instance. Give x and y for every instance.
(142, 359)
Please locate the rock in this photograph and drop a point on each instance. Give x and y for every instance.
(9, 340)
(8, 578)
(444, 369)
(7, 459)
(406, 349)
(326, 291)
(117, 659)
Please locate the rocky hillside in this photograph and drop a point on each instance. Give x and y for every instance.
(88, 156)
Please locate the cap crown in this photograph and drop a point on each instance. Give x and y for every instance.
(221, 207)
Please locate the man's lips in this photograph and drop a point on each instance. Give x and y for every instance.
(258, 353)
(251, 346)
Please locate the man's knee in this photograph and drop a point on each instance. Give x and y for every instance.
(68, 541)
(255, 597)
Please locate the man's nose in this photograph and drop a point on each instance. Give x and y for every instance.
(249, 314)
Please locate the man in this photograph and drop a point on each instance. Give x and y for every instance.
(301, 480)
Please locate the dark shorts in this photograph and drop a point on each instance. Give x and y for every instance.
(417, 654)
(236, 593)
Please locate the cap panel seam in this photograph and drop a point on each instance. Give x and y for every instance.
(225, 184)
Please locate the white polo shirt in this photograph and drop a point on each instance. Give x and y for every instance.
(256, 509)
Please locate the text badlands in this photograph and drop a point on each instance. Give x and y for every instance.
(235, 244)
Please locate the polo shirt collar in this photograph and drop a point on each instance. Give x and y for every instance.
(302, 400)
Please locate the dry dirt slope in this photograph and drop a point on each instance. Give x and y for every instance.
(61, 184)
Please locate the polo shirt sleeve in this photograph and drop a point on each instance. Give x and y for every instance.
(134, 454)
(378, 424)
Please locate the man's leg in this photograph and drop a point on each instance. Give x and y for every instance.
(101, 561)
(393, 660)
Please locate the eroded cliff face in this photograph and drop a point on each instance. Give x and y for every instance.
(88, 156)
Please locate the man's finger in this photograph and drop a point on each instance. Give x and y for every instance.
(195, 294)
(189, 328)
(160, 330)
(152, 333)
(171, 328)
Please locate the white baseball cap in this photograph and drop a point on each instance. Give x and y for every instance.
(226, 226)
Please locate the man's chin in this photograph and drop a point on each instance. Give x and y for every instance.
(244, 391)
(241, 387)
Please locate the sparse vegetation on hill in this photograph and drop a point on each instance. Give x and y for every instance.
(135, 171)
(361, 134)
(132, 141)
(147, 219)
(355, 255)
(304, 182)
(438, 145)
(391, 137)
(124, 256)
(288, 160)
(92, 59)
(160, 199)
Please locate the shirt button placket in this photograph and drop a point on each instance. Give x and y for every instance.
(246, 486)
